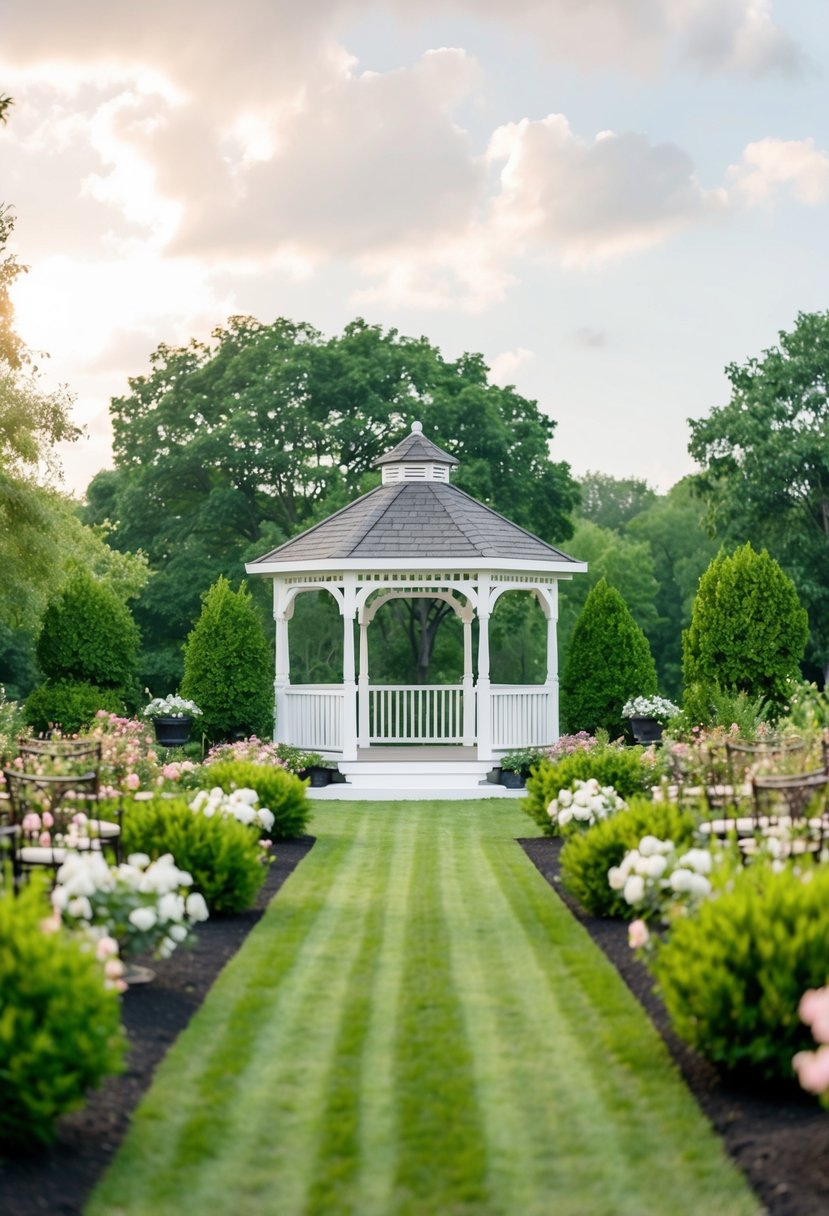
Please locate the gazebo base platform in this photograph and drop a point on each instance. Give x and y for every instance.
(421, 773)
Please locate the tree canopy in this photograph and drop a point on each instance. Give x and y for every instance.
(765, 460)
(227, 448)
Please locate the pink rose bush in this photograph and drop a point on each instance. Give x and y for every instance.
(812, 1067)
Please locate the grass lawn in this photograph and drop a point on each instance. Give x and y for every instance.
(418, 1027)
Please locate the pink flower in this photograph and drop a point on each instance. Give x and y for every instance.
(266, 844)
(171, 772)
(48, 819)
(44, 840)
(638, 934)
(812, 1068)
(51, 924)
(133, 781)
(814, 1011)
(113, 969)
(106, 947)
(18, 762)
(31, 822)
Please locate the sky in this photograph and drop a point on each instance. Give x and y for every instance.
(611, 200)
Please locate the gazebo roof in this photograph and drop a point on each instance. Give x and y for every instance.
(415, 519)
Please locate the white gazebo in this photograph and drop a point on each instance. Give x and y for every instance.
(416, 537)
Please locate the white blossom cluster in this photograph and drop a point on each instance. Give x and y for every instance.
(655, 874)
(171, 707)
(650, 707)
(584, 803)
(142, 904)
(239, 804)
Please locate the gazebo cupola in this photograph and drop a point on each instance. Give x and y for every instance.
(415, 536)
(416, 458)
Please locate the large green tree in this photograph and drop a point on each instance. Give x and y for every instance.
(230, 447)
(765, 460)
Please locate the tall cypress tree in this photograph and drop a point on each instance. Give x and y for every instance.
(609, 661)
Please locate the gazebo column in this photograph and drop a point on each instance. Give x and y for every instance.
(483, 686)
(282, 675)
(349, 722)
(468, 727)
(362, 690)
(551, 610)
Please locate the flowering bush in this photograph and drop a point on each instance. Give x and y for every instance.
(239, 804)
(658, 879)
(60, 1031)
(144, 905)
(583, 741)
(171, 707)
(650, 707)
(630, 770)
(226, 858)
(812, 1067)
(12, 726)
(128, 757)
(256, 751)
(583, 804)
(279, 790)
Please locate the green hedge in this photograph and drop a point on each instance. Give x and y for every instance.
(587, 857)
(223, 855)
(732, 975)
(280, 791)
(621, 767)
(60, 1032)
(69, 704)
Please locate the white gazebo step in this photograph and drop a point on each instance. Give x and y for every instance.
(342, 792)
(465, 769)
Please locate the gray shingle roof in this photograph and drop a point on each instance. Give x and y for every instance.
(415, 447)
(418, 520)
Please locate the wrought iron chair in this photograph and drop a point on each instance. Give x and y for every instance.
(62, 757)
(51, 815)
(744, 760)
(791, 808)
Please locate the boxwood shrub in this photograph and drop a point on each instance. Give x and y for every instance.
(621, 767)
(70, 704)
(280, 791)
(223, 855)
(60, 1031)
(587, 857)
(732, 975)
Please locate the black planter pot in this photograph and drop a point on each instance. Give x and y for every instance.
(646, 730)
(172, 732)
(318, 777)
(513, 780)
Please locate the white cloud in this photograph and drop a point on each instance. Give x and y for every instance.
(729, 36)
(586, 202)
(769, 164)
(503, 367)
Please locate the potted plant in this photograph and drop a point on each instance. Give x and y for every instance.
(312, 766)
(515, 767)
(172, 718)
(648, 716)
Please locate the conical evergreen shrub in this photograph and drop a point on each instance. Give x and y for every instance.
(228, 666)
(609, 661)
(748, 630)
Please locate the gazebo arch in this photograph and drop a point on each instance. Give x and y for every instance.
(414, 536)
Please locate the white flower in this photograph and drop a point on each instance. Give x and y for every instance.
(171, 907)
(80, 908)
(196, 907)
(565, 797)
(144, 919)
(699, 885)
(178, 933)
(654, 866)
(634, 889)
(680, 880)
(697, 859)
(616, 878)
(266, 818)
(649, 845)
(565, 816)
(138, 861)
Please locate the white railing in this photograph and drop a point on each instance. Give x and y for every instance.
(419, 713)
(521, 716)
(314, 717)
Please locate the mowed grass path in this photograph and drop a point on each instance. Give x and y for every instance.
(418, 1027)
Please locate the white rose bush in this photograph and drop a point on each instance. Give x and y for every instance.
(583, 804)
(141, 905)
(661, 881)
(241, 805)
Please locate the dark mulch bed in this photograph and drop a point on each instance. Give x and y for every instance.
(779, 1139)
(57, 1181)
